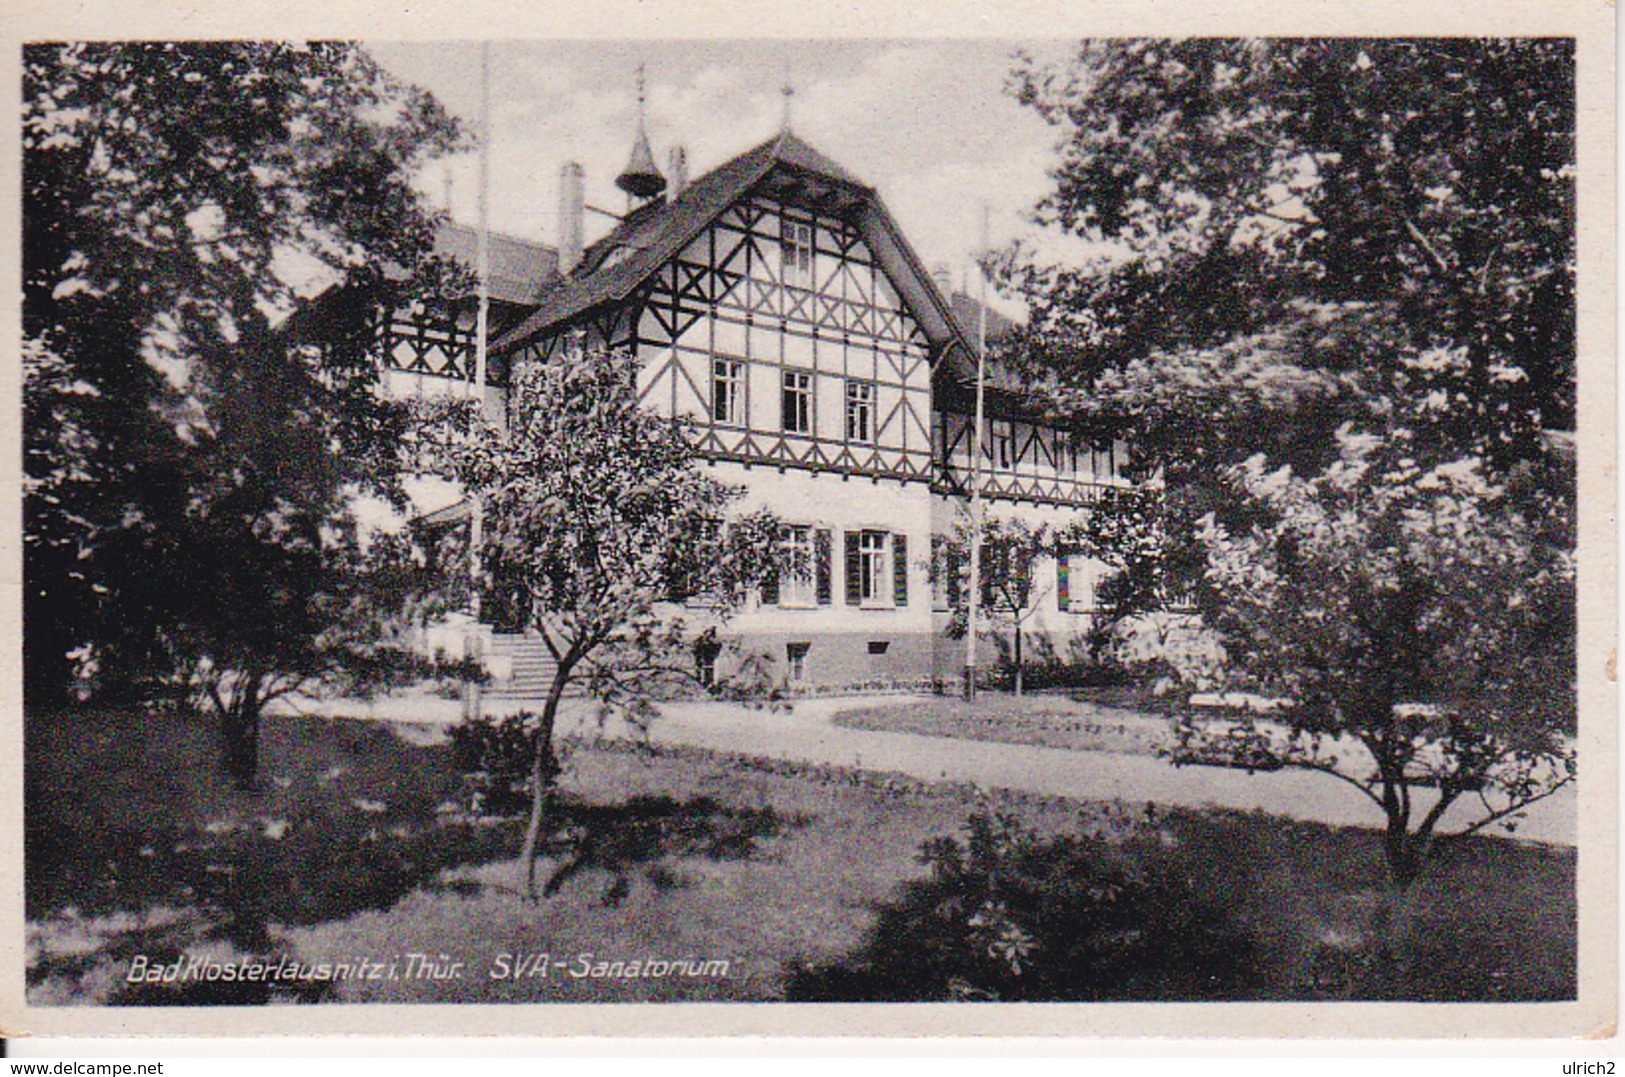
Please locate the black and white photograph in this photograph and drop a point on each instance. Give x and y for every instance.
(972, 520)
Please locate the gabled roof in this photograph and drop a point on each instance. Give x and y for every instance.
(997, 376)
(653, 234)
(967, 313)
(520, 269)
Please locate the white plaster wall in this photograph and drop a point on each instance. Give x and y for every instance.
(827, 500)
(1047, 617)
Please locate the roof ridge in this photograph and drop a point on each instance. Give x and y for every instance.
(473, 229)
(653, 236)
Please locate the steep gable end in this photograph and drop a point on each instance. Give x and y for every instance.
(784, 169)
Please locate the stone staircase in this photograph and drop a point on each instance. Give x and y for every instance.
(521, 667)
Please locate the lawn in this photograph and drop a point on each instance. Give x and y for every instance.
(357, 850)
(1044, 721)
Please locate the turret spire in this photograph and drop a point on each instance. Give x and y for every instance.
(789, 92)
(641, 179)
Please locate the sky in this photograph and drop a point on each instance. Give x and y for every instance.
(927, 123)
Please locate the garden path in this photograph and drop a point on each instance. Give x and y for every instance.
(808, 734)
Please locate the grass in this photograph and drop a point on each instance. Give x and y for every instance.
(1045, 721)
(134, 845)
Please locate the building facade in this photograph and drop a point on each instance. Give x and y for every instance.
(774, 303)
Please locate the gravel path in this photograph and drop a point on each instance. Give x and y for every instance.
(808, 733)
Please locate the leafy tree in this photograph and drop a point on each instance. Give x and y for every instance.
(1223, 182)
(603, 528)
(192, 452)
(1011, 593)
(1413, 627)
(1331, 307)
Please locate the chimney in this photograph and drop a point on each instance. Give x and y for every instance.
(677, 171)
(943, 278)
(571, 214)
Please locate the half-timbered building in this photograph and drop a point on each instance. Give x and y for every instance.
(775, 304)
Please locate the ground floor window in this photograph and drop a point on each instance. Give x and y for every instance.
(871, 565)
(1076, 577)
(801, 580)
(797, 585)
(876, 569)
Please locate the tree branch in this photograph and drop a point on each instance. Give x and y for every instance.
(1431, 819)
(1510, 809)
(1427, 248)
(1306, 763)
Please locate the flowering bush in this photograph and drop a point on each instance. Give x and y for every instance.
(1008, 915)
(1414, 620)
(496, 757)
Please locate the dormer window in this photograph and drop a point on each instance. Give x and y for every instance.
(796, 253)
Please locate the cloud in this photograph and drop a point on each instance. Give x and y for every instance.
(926, 123)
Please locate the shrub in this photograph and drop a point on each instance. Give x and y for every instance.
(1053, 675)
(496, 758)
(1007, 915)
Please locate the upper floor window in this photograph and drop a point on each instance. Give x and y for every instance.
(1066, 452)
(860, 410)
(796, 253)
(728, 391)
(796, 402)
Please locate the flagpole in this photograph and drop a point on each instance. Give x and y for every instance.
(976, 472)
(483, 249)
(482, 258)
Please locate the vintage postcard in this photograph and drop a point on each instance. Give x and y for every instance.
(1030, 524)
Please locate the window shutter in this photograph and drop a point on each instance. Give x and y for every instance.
(821, 555)
(854, 571)
(954, 565)
(1063, 582)
(899, 568)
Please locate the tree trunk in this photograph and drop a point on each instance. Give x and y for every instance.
(544, 770)
(1018, 660)
(1403, 866)
(1391, 953)
(240, 726)
(1397, 846)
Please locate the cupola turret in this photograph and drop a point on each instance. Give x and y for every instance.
(641, 178)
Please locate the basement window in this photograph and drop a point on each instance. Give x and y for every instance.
(796, 658)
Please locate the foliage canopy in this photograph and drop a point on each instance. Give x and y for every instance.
(604, 536)
(1331, 305)
(195, 441)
